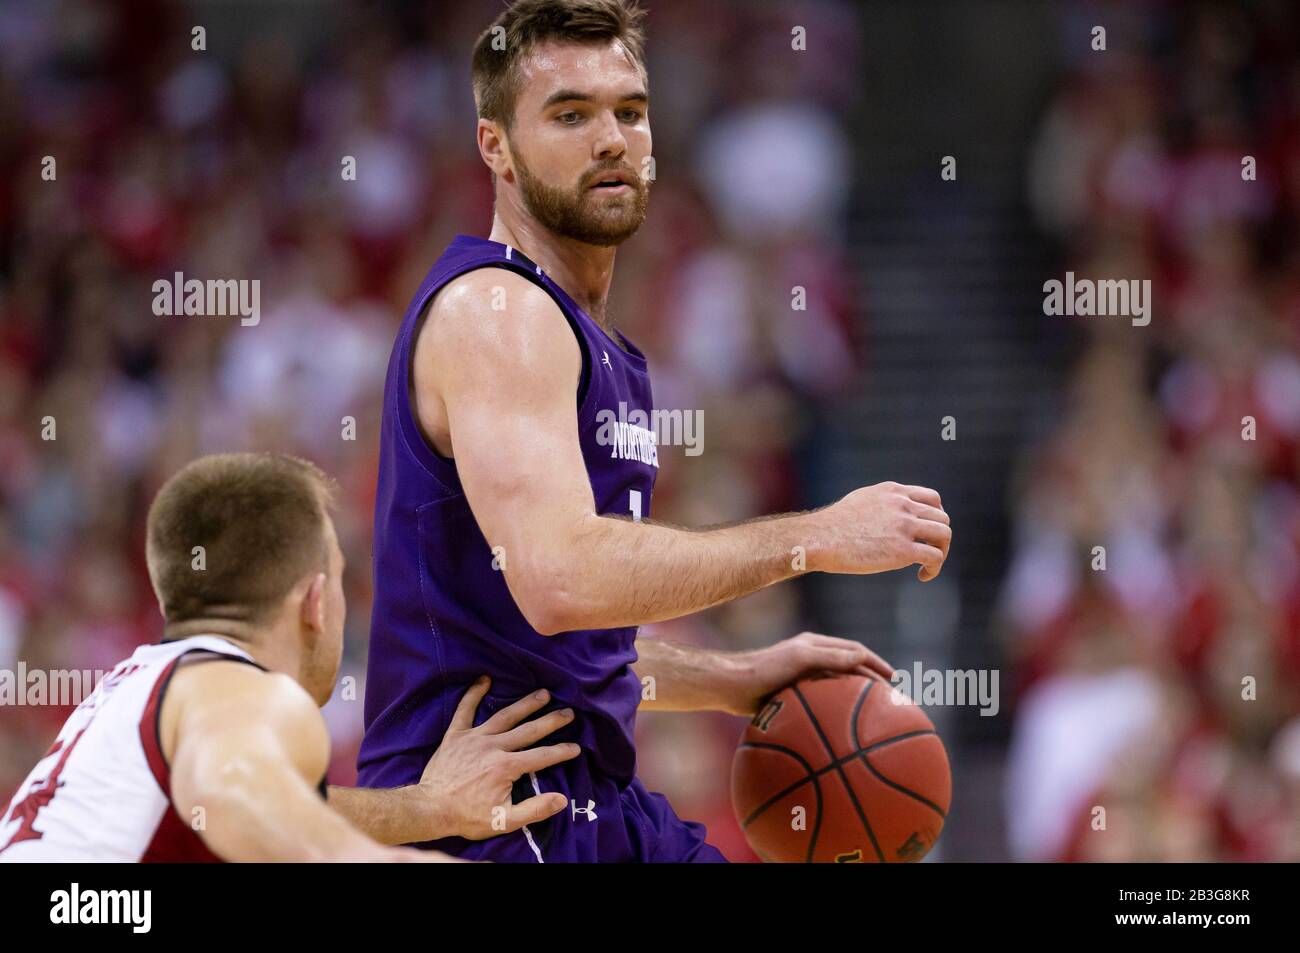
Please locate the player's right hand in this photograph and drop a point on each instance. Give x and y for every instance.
(883, 527)
(474, 769)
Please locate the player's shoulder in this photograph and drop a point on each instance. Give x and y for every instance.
(222, 702)
(210, 683)
(490, 288)
(496, 311)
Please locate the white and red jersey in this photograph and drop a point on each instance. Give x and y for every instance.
(103, 791)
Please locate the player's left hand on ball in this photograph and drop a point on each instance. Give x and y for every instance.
(770, 669)
(470, 776)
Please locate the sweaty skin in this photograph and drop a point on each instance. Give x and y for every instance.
(494, 389)
(248, 748)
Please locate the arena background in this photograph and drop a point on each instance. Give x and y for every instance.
(776, 168)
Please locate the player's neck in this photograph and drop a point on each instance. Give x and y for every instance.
(267, 646)
(584, 271)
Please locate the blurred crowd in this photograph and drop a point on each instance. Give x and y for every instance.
(1158, 693)
(225, 162)
(1157, 699)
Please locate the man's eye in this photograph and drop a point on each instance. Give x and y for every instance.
(631, 115)
(569, 118)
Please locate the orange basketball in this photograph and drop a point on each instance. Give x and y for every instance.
(835, 770)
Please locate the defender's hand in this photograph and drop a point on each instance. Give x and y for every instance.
(473, 770)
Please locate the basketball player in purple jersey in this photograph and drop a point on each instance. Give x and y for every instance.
(509, 536)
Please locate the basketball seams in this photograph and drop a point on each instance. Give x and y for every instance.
(817, 824)
(857, 710)
(885, 743)
(862, 753)
(790, 789)
(838, 768)
(902, 790)
(848, 758)
(810, 775)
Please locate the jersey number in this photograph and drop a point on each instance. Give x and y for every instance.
(39, 796)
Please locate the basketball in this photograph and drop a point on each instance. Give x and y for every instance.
(841, 770)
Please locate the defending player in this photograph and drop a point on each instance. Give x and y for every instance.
(509, 535)
(210, 745)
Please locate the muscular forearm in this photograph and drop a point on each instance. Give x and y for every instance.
(404, 815)
(610, 572)
(264, 813)
(685, 678)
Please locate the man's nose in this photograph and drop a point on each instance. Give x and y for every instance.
(609, 142)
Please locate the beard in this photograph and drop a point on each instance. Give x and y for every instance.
(582, 213)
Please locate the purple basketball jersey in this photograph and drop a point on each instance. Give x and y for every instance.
(442, 612)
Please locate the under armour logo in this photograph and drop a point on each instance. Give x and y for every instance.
(605, 360)
(589, 810)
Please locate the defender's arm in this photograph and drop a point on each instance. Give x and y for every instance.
(246, 750)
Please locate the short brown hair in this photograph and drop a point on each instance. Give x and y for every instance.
(260, 518)
(525, 24)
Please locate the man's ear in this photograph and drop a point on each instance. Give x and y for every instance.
(495, 149)
(313, 604)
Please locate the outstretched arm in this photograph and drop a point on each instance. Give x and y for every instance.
(504, 380)
(246, 750)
